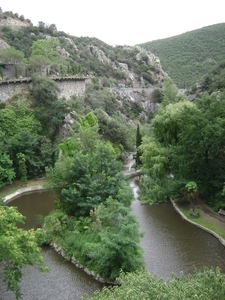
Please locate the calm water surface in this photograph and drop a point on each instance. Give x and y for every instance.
(171, 244)
(64, 281)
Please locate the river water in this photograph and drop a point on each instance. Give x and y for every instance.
(64, 281)
(170, 245)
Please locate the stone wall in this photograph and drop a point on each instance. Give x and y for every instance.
(8, 90)
(71, 87)
(68, 88)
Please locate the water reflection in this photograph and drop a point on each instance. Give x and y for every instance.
(33, 204)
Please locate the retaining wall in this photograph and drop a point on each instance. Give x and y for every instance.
(68, 87)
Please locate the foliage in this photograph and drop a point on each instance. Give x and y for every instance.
(22, 166)
(105, 242)
(21, 133)
(18, 247)
(154, 186)
(119, 241)
(189, 56)
(191, 188)
(90, 181)
(208, 284)
(11, 56)
(37, 150)
(89, 120)
(138, 143)
(46, 48)
(6, 170)
(186, 144)
(44, 90)
(49, 110)
(115, 131)
(212, 82)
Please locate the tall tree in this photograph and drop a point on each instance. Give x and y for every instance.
(138, 143)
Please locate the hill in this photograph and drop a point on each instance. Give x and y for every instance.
(189, 56)
(130, 66)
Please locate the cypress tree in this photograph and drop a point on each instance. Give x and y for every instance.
(138, 143)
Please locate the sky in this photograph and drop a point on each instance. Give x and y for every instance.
(121, 22)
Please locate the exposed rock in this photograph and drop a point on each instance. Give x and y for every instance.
(3, 44)
(63, 53)
(68, 123)
(99, 54)
(71, 42)
(13, 22)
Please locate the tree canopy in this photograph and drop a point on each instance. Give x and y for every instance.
(18, 247)
(207, 285)
(185, 144)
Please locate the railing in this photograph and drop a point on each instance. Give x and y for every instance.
(221, 212)
(29, 79)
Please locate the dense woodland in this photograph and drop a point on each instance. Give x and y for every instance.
(189, 56)
(180, 151)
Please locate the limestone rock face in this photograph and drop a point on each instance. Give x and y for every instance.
(68, 123)
(3, 44)
(143, 56)
(99, 54)
(13, 22)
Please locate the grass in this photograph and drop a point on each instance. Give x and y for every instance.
(213, 225)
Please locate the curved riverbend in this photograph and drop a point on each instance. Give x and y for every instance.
(64, 281)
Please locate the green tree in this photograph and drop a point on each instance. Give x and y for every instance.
(208, 284)
(88, 175)
(7, 172)
(155, 165)
(49, 110)
(22, 166)
(44, 90)
(11, 55)
(92, 180)
(138, 143)
(47, 48)
(18, 248)
(119, 241)
(38, 151)
(192, 188)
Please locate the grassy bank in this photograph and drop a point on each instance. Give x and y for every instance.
(206, 221)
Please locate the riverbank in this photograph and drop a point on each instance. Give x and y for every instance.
(209, 220)
(18, 187)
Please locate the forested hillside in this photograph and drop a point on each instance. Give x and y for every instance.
(189, 56)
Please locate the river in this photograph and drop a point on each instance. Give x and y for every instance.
(170, 245)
